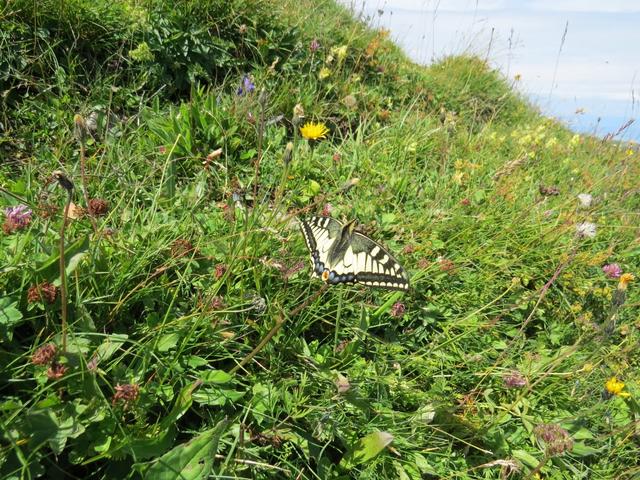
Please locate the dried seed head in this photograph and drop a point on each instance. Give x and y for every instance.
(555, 438)
(98, 207)
(221, 269)
(288, 153)
(56, 371)
(126, 393)
(79, 128)
(43, 292)
(181, 247)
(398, 309)
(63, 180)
(298, 114)
(44, 355)
(514, 380)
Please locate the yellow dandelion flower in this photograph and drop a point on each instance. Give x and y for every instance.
(314, 131)
(615, 386)
(624, 281)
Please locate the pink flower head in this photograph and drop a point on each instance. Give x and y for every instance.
(326, 210)
(398, 309)
(314, 46)
(17, 217)
(20, 215)
(612, 270)
(514, 380)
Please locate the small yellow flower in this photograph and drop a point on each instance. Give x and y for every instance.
(624, 281)
(615, 386)
(324, 73)
(340, 52)
(575, 140)
(314, 131)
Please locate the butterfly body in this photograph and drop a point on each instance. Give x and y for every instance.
(339, 254)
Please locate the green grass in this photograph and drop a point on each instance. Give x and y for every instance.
(197, 259)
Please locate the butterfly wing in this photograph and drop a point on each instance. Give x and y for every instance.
(371, 264)
(320, 233)
(360, 261)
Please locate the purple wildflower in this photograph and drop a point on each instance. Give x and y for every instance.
(20, 215)
(514, 380)
(314, 46)
(247, 86)
(398, 309)
(16, 218)
(612, 270)
(555, 438)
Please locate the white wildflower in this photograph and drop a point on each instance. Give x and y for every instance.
(586, 230)
(585, 200)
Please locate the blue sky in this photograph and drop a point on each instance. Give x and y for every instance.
(597, 72)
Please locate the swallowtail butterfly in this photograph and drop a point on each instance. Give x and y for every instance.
(341, 255)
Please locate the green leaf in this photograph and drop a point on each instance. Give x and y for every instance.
(388, 219)
(109, 346)
(194, 361)
(582, 434)
(162, 437)
(183, 403)
(191, 460)
(216, 396)
(366, 449)
(167, 342)
(423, 464)
(74, 261)
(582, 450)
(526, 458)
(10, 316)
(50, 269)
(479, 196)
(313, 188)
(216, 376)
(248, 155)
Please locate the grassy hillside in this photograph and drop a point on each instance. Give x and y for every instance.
(181, 335)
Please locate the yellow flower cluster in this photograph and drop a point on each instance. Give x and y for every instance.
(625, 280)
(575, 140)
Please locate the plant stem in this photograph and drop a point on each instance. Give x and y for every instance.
(63, 275)
(262, 101)
(85, 192)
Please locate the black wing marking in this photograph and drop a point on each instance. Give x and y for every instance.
(320, 233)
